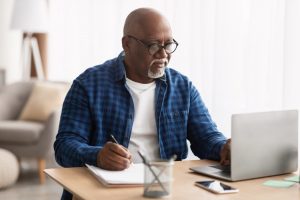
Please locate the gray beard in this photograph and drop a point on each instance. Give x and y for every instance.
(158, 74)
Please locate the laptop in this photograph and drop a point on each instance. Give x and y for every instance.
(262, 144)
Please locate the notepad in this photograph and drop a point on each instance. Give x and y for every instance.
(130, 177)
(293, 179)
(278, 184)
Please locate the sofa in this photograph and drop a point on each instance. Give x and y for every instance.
(29, 118)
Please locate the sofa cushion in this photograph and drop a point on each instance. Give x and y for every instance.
(20, 132)
(45, 98)
(13, 98)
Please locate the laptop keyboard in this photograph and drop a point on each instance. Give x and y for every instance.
(224, 168)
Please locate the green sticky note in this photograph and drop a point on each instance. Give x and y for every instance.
(293, 178)
(279, 184)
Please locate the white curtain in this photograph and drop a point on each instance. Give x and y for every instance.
(242, 55)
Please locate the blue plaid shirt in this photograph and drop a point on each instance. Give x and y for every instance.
(99, 104)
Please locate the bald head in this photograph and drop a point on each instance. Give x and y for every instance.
(144, 21)
(146, 33)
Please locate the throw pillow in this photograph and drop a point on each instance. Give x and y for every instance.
(45, 98)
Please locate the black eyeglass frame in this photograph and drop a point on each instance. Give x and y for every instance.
(148, 46)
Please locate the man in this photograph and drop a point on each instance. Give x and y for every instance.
(139, 101)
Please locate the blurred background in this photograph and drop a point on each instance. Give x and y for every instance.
(242, 55)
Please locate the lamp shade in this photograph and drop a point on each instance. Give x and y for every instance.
(30, 16)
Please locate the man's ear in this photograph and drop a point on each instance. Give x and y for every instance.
(125, 44)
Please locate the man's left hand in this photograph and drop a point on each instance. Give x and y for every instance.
(225, 153)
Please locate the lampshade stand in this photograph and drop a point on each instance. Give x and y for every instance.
(30, 47)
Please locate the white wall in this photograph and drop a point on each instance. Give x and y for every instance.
(10, 44)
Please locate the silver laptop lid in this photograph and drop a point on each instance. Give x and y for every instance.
(264, 144)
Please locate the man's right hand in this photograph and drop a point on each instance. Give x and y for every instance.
(113, 157)
(225, 153)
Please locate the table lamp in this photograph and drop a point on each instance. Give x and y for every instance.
(30, 16)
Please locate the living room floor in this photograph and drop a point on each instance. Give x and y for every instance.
(28, 187)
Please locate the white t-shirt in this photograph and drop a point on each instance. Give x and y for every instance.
(144, 131)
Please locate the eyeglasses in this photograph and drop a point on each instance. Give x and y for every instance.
(153, 48)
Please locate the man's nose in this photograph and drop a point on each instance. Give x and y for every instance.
(161, 53)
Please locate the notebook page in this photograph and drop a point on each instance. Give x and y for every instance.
(132, 175)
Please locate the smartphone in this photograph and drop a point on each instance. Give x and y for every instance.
(216, 187)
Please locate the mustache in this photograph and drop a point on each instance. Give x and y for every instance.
(163, 60)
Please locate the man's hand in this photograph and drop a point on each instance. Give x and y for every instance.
(225, 153)
(113, 157)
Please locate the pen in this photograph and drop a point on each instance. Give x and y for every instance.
(113, 139)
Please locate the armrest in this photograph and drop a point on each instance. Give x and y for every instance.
(53, 121)
(49, 133)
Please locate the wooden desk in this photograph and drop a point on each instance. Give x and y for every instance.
(83, 185)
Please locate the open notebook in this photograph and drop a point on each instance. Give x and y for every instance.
(130, 177)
